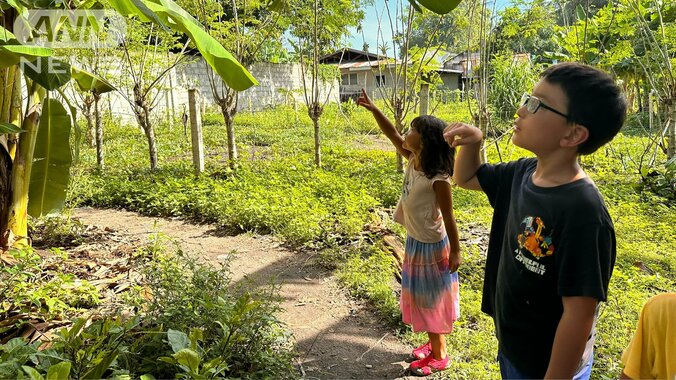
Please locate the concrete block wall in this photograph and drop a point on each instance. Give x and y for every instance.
(277, 83)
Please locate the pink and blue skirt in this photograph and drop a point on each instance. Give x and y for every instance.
(430, 293)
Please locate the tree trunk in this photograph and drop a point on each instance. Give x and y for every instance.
(399, 125)
(150, 136)
(671, 128)
(87, 113)
(637, 104)
(10, 107)
(21, 171)
(482, 121)
(232, 144)
(100, 164)
(143, 117)
(229, 109)
(315, 112)
(5, 195)
(318, 147)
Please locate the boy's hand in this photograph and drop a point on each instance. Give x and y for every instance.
(457, 134)
(366, 102)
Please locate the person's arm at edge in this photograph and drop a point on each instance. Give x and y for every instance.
(468, 159)
(571, 336)
(384, 124)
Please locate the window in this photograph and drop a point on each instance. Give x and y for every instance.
(353, 79)
(349, 79)
(380, 80)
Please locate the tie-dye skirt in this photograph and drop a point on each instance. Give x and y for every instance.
(430, 293)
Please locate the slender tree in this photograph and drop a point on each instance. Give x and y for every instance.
(248, 29)
(319, 27)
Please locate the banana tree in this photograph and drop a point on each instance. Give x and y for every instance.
(90, 83)
(34, 67)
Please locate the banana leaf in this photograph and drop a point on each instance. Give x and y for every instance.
(88, 82)
(48, 72)
(440, 7)
(51, 161)
(170, 14)
(9, 128)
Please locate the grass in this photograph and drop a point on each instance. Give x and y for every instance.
(278, 190)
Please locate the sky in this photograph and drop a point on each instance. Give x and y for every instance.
(370, 33)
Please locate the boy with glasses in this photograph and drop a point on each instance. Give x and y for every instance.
(552, 242)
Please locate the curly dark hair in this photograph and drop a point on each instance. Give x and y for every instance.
(436, 157)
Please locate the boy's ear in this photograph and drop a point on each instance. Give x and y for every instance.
(577, 135)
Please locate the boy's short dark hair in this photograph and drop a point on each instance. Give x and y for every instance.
(594, 101)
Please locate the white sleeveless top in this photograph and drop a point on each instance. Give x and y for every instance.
(418, 209)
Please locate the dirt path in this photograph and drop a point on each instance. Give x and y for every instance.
(336, 337)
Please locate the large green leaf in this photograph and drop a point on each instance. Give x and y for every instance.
(440, 7)
(11, 55)
(52, 161)
(11, 51)
(48, 72)
(89, 82)
(59, 371)
(170, 14)
(9, 128)
(136, 8)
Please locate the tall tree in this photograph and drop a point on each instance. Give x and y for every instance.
(250, 30)
(320, 27)
(525, 27)
(147, 63)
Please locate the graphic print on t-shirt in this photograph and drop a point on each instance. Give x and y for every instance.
(536, 238)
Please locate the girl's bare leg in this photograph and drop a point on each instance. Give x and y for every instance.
(438, 345)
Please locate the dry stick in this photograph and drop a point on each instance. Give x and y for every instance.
(372, 347)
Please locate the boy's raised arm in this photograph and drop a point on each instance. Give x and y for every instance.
(384, 123)
(468, 160)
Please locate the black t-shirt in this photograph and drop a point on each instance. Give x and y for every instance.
(545, 243)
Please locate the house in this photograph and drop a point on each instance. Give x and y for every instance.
(360, 69)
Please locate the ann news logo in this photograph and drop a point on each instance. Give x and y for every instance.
(70, 29)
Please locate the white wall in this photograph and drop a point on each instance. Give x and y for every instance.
(271, 78)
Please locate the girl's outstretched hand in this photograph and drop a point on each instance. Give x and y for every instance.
(366, 102)
(457, 134)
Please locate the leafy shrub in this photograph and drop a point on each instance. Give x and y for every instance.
(238, 328)
(509, 79)
(56, 231)
(38, 287)
(662, 182)
(215, 119)
(369, 273)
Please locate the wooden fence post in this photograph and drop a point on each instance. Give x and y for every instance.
(196, 131)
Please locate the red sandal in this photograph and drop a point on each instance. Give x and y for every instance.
(429, 365)
(423, 351)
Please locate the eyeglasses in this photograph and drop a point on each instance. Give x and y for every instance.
(533, 104)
